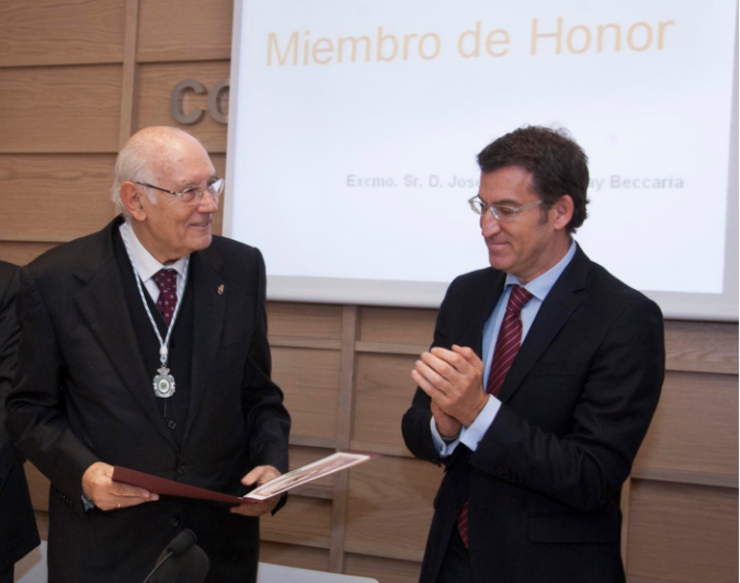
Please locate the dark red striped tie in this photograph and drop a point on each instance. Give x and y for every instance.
(166, 280)
(507, 347)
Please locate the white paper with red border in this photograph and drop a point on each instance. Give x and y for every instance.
(336, 462)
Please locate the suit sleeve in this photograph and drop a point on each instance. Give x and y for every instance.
(37, 420)
(268, 421)
(586, 468)
(9, 336)
(416, 424)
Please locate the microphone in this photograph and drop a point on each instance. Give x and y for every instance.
(181, 543)
(189, 562)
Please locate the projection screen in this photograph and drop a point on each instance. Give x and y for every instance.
(354, 126)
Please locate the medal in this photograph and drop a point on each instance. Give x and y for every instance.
(164, 382)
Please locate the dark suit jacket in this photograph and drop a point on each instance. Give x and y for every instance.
(544, 483)
(18, 533)
(82, 394)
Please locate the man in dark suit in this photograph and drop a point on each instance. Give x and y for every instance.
(18, 533)
(145, 346)
(543, 378)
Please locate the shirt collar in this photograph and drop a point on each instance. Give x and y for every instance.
(146, 265)
(541, 285)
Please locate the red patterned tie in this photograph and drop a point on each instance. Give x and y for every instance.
(507, 347)
(166, 280)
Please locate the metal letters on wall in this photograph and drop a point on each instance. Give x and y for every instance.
(216, 97)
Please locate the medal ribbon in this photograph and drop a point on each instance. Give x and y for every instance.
(163, 344)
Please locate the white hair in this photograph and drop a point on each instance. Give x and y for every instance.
(137, 159)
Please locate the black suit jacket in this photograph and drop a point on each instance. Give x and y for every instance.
(544, 483)
(18, 533)
(82, 394)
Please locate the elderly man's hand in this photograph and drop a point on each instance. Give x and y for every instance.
(453, 379)
(258, 475)
(99, 487)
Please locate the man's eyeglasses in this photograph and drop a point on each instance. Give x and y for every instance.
(194, 195)
(500, 212)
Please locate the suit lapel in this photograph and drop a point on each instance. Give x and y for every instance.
(555, 311)
(103, 305)
(494, 288)
(209, 312)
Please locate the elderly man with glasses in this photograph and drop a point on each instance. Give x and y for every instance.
(542, 380)
(145, 346)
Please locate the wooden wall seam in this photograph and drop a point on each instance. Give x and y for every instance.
(130, 70)
(625, 508)
(350, 325)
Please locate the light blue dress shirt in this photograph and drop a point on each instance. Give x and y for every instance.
(539, 287)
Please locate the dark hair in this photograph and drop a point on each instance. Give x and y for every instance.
(558, 165)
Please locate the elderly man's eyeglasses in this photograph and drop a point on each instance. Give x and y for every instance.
(500, 212)
(194, 195)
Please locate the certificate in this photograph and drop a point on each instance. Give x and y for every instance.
(329, 465)
(334, 463)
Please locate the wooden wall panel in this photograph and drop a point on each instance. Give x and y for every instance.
(184, 30)
(301, 456)
(56, 32)
(683, 533)
(701, 347)
(695, 427)
(384, 390)
(382, 569)
(22, 253)
(310, 380)
(398, 326)
(156, 82)
(61, 197)
(304, 320)
(303, 521)
(38, 486)
(390, 507)
(219, 163)
(60, 109)
(42, 522)
(294, 556)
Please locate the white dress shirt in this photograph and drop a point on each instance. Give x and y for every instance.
(147, 266)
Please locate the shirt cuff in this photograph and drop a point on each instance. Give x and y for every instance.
(87, 503)
(443, 449)
(472, 435)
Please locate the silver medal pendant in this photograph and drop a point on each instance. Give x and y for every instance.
(164, 384)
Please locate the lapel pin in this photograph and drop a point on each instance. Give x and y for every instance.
(221, 290)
